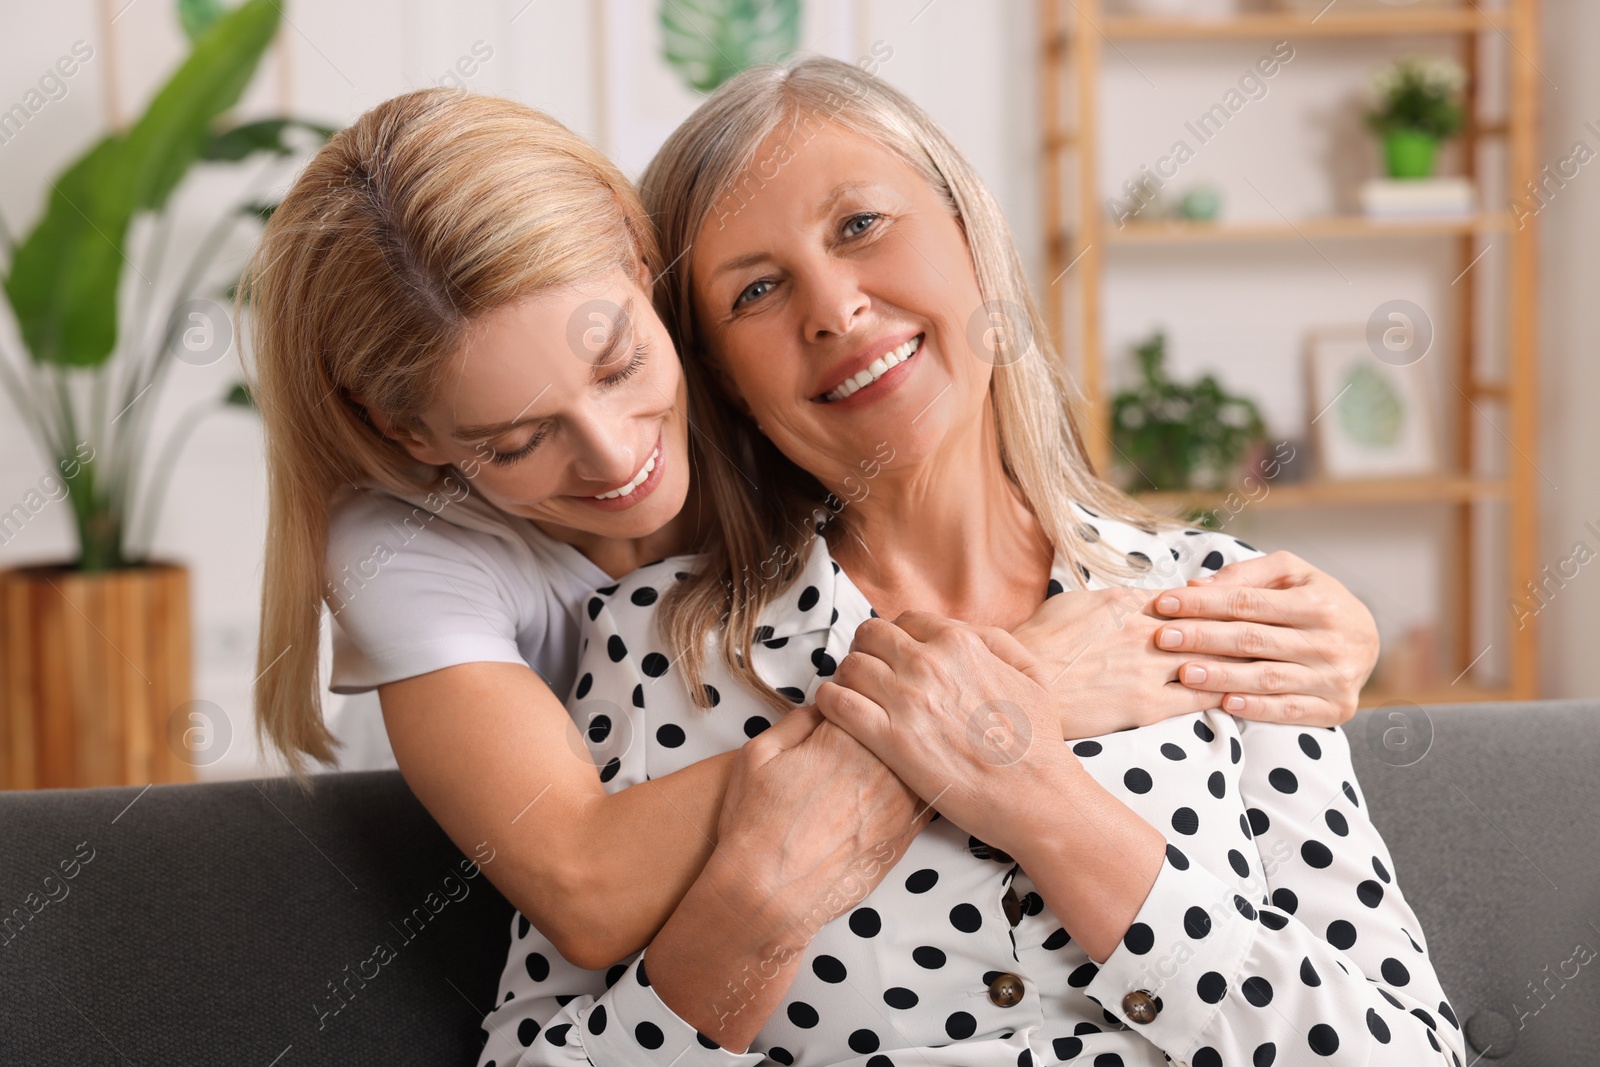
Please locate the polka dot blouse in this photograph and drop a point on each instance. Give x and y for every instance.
(1275, 932)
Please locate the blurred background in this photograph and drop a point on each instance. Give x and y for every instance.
(1323, 270)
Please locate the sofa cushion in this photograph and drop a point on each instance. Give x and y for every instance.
(246, 922)
(241, 922)
(1494, 841)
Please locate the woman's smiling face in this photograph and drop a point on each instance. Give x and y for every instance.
(835, 298)
(567, 408)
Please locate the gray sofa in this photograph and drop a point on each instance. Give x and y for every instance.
(234, 922)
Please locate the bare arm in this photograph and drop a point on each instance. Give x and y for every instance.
(492, 754)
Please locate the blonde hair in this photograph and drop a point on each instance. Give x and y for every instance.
(710, 160)
(433, 208)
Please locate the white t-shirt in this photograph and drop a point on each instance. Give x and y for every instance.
(430, 581)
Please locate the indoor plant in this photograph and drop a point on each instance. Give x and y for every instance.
(1416, 103)
(1174, 436)
(95, 651)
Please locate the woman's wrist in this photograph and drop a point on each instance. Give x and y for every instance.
(725, 959)
(1091, 857)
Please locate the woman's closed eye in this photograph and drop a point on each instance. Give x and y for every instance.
(510, 456)
(639, 352)
(507, 458)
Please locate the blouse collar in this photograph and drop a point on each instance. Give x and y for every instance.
(798, 611)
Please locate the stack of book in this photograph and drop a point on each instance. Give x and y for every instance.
(1417, 198)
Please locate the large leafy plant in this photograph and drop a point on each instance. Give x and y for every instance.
(88, 385)
(1180, 436)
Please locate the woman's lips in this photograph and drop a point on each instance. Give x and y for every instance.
(640, 491)
(881, 376)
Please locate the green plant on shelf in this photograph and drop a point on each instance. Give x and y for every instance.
(1173, 436)
(1416, 103)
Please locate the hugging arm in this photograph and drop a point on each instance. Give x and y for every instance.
(493, 755)
(1270, 633)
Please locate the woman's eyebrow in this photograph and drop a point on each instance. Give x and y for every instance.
(840, 191)
(749, 259)
(621, 327)
(469, 434)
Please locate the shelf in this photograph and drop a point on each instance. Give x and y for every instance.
(1462, 692)
(1328, 226)
(1086, 253)
(1304, 24)
(1325, 493)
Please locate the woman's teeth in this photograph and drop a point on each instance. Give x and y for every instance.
(638, 479)
(875, 370)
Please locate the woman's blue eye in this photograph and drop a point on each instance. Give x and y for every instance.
(850, 224)
(750, 293)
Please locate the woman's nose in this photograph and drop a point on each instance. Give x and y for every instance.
(832, 301)
(604, 452)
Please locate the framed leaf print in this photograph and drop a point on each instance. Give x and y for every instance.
(1370, 418)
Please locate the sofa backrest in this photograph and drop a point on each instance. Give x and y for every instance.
(1494, 837)
(244, 922)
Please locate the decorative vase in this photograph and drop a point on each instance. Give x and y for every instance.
(1409, 153)
(94, 667)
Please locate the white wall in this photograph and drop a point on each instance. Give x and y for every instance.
(972, 64)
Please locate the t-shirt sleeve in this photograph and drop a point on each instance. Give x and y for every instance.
(412, 593)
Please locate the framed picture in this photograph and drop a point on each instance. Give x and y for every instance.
(654, 61)
(1370, 418)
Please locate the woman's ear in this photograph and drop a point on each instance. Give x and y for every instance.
(418, 444)
(641, 274)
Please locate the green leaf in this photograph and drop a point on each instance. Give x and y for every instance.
(239, 397)
(709, 41)
(230, 146)
(64, 277)
(259, 209)
(196, 16)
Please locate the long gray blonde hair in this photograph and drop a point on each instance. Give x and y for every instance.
(762, 533)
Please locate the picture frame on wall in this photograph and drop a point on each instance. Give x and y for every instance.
(1370, 418)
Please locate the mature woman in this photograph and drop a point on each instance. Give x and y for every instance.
(474, 417)
(1200, 890)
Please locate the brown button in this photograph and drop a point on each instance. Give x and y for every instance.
(1005, 989)
(1012, 906)
(1140, 1006)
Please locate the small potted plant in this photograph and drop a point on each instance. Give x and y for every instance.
(1173, 436)
(94, 650)
(1415, 104)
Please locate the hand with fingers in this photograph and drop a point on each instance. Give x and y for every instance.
(1273, 639)
(814, 816)
(1270, 638)
(1101, 664)
(953, 710)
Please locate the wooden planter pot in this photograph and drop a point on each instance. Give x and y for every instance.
(93, 670)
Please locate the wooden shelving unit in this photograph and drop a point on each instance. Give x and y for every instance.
(1074, 37)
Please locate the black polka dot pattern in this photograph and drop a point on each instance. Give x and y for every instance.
(1275, 892)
